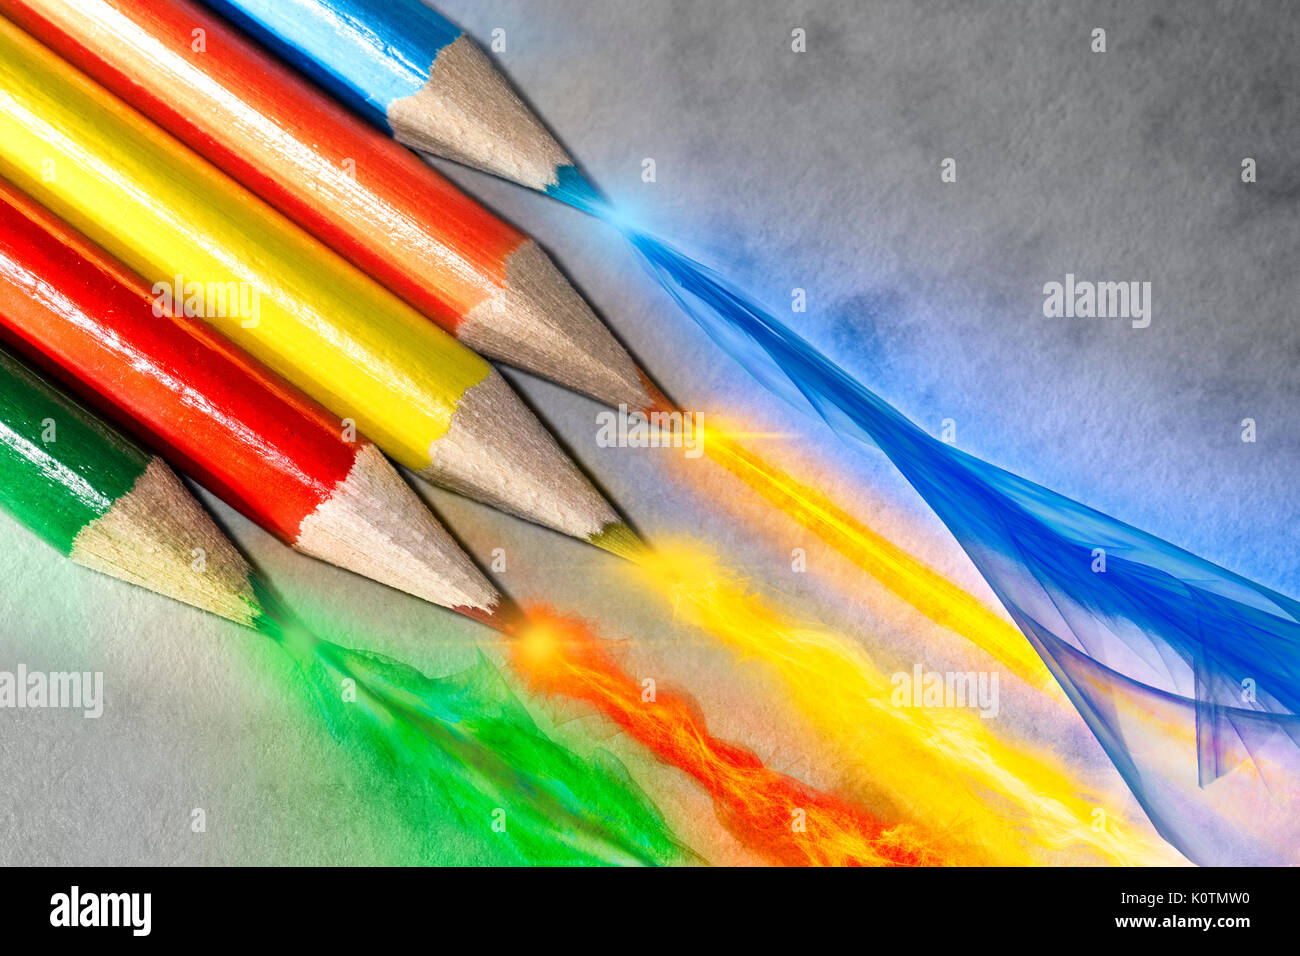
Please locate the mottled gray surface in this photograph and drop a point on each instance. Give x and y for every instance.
(817, 170)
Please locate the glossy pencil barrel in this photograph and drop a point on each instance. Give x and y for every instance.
(215, 413)
(428, 401)
(410, 71)
(352, 187)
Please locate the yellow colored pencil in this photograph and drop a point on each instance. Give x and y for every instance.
(425, 399)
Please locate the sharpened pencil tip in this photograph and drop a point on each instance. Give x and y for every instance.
(576, 190)
(618, 538)
(657, 400)
(504, 616)
(467, 112)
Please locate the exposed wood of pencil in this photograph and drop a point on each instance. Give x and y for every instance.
(467, 112)
(374, 524)
(105, 503)
(545, 324)
(158, 537)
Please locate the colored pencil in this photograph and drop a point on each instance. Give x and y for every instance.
(414, 74)
(348, 184)
(422, 397)
(217, 415)
(106, 504)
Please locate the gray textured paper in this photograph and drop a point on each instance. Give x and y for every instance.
(817, 170)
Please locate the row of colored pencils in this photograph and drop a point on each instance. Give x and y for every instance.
(210, 252)
(228, 273)
(234, 258)
(218, 261)
(130, 191)
(225, 272)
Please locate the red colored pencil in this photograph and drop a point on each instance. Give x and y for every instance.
(355, 189)
(251, 438)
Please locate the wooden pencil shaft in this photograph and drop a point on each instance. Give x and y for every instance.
(369, 53)
(169, 215)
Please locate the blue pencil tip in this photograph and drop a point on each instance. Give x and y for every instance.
(573, 188)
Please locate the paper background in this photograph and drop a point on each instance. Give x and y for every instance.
(820, 171)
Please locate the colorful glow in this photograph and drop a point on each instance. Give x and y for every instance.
(511, 786)
(921, 586)
(1118, 615)
(772, 814)
(992, 802)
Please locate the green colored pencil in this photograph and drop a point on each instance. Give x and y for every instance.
(108, 505)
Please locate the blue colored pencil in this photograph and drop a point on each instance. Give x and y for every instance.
(415, 74)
